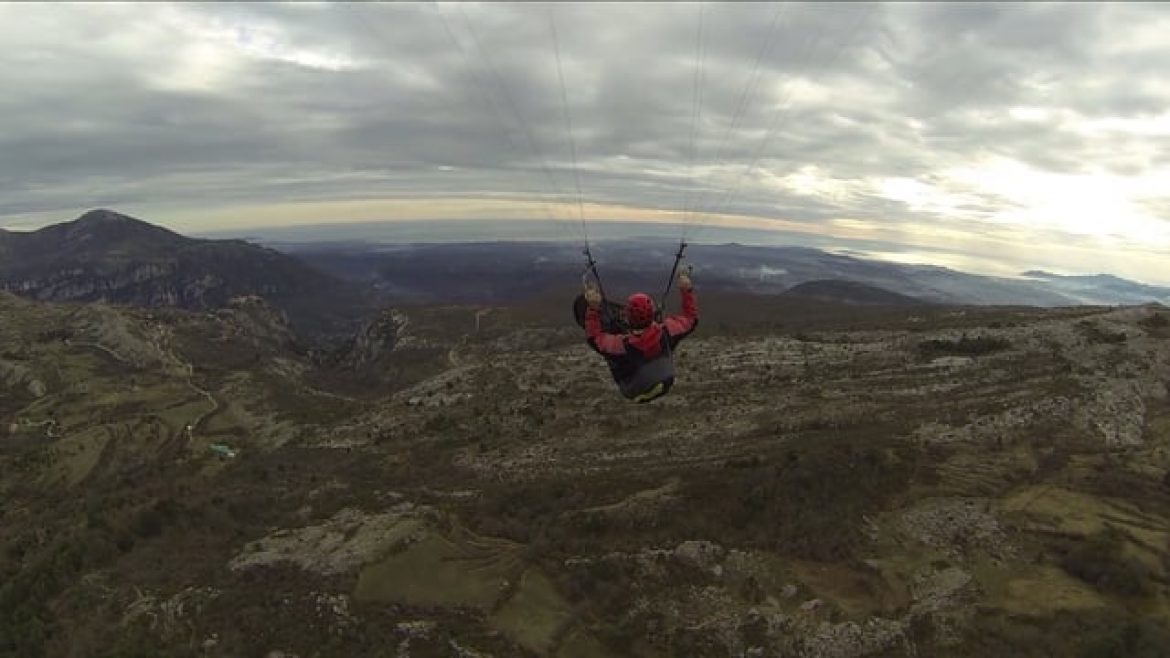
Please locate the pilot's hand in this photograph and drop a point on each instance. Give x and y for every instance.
(684, 280)
(592, 297)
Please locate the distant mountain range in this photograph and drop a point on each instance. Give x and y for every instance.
(505, 271)
(849, 292)
(332, 288)
(1101, 288)
(107, 256)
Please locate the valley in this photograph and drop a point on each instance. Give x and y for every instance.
(823, 480)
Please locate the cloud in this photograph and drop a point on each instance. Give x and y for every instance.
(990, 122)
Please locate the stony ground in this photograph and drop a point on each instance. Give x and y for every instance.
(960, 482)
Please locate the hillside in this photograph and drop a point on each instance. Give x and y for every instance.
(857, 482)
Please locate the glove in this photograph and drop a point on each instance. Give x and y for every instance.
(592, 297)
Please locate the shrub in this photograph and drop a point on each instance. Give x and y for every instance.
(964, 346)
(1100, 562)
(807, 501)
(1096, 335)
(24, 597)
(1156, 322)
(1135, 639)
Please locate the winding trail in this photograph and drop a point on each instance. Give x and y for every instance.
(167, 354)
(100, 347)
(190, 381)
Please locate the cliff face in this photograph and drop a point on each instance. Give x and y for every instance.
(374, 340)
(155, 284)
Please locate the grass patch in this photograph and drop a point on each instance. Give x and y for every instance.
(75, 457)
(303, 407)
(1097, 633)
(437, 571)
(179, 416)
(1052, 509)
(1044, 590)
(462, 571)
(534, 614)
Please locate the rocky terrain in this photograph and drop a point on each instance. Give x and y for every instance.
(823, 480)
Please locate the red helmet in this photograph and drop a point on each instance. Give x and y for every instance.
(639, 310)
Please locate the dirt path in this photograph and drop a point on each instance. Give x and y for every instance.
(50, 426)
(98, 346)
(215, 406)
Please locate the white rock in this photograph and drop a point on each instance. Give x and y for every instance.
(700, 554)
(812, 605)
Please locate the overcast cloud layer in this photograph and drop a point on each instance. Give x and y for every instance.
(1016, 135)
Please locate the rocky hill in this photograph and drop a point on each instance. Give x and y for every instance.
(868, 482)
(106, 256)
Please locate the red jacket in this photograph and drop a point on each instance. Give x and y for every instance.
(648, 343)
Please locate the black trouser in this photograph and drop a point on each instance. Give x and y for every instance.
(653, 393)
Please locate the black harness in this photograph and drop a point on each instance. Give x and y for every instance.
(635, 373)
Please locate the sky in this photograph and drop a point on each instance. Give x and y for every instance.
(991, 137)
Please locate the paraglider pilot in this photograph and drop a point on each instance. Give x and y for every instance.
(641, 358)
